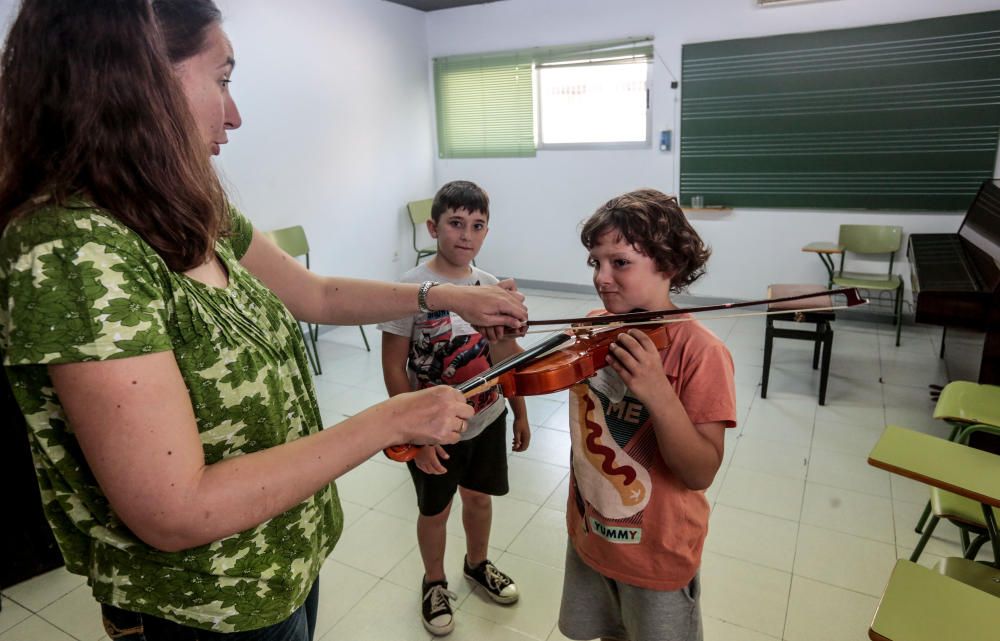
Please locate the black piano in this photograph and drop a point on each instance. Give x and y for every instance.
(956, 278)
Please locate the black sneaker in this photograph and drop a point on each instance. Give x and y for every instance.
(498, 585)
(436, 611)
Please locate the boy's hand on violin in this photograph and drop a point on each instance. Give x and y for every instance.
(430, 416)
(522, 434)
(492, 306)
(428, 459)
(637, 361)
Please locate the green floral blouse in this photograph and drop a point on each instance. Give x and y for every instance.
(77, 285)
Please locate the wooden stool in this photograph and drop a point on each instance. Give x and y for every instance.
(822, 336)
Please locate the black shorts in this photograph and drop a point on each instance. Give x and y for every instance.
(479, 464)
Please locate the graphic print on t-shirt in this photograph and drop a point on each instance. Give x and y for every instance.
(613, 449)
(438, 356)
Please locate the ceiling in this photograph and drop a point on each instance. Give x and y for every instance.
(434, 5)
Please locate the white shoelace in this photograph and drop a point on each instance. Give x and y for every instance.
(439, 596)
(497, 579)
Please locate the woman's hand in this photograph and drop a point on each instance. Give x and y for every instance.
(490, 306)
(637, 361)
(432, 416)
(428, 459)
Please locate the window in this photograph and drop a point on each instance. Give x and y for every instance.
(593, 103)
(505, 104)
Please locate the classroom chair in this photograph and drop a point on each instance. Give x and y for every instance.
(420, 213)
(979, 575)
(293, 241)
(964, 513)
(797, 311)
(873, 240)
(961, 404)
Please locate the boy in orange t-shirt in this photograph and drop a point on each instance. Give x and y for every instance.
(647, 437)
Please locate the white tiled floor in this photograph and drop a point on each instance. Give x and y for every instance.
(802, 537)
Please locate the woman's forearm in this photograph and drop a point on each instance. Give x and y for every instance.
(239, 493)
(354, 301)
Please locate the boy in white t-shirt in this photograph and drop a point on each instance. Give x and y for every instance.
(439, 347)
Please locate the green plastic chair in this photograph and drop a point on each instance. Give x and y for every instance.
(978, 575)
(292, 240)
(964, 513)
(420, 213)
(961, 404)
(872, 240)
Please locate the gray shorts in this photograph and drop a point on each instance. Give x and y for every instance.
(594, 606)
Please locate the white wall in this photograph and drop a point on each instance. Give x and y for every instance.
(538, 203)
(336, 134)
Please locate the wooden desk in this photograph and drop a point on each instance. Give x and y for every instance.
(825, 251)
(971, 614)
(920, 604)
(956, 468)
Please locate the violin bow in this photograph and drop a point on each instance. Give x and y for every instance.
(487, 379)
(661, 315)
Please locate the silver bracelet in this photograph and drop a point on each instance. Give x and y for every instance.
(422, 296)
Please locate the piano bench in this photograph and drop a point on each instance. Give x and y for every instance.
(800, 311)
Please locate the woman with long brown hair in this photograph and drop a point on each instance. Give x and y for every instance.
(150, 333)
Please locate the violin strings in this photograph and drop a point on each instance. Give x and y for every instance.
(664, 321)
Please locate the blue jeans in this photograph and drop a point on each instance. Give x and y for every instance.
(123, 625)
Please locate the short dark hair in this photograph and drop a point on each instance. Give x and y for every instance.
(460, 194)
(654, 224)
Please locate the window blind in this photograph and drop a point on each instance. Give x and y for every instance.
(484, 106)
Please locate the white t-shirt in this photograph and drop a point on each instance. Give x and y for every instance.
(446, 349)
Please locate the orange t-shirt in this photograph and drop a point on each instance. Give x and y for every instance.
(628, 516)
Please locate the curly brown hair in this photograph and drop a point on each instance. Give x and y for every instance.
(654, 224)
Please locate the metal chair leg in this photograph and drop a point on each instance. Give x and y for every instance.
(899, 313)
(924, 538)
(768, 342)
(973, 549)
(313, 337)
(824, 374)
(365, 338)
(923, 518)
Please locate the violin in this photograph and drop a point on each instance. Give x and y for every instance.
(553, 365)
(567, 358)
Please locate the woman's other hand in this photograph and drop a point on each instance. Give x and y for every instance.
(491, 306)
(432, 416)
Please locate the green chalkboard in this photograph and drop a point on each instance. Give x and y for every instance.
(901, 116)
